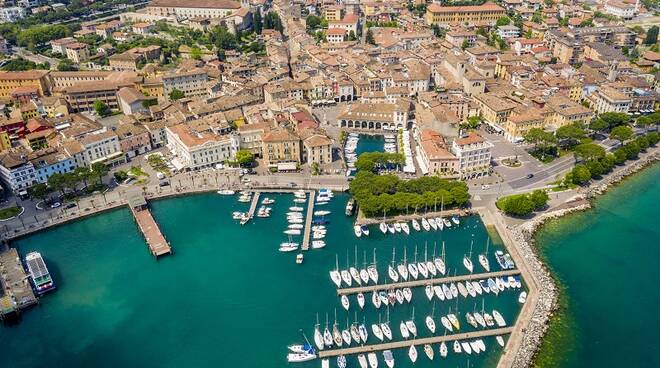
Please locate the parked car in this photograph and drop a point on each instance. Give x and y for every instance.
(529, 176)
(70, 205)
(55, 205)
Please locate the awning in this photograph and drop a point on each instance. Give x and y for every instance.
(287, 166)
(177, 164)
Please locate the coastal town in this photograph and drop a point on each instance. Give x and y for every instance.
(428, 113)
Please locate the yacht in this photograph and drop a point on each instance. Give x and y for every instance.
(357, 230)
(378, 332)
(300, 357)
(412, 353)
(415, 225)
(373, 360)
(389, 358)
(226, 192)
(522, 298)
(318, 244)
(429, 351)
(349, 207)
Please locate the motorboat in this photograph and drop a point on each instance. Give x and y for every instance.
(321, 213)
(296, 226)
(341, 361)
(360, 300)
(446, 324)
(457, 347)
(522, 298)
(292, 232)
(443, 349)
(389, 358)
(412, 353)
(378, 332)
(484, 286)
(415, 225)
(383, 227)
(466, 347)
(300, 357)
(318, 244)
(373, 360)
(404, 330)
(362, 360)
(375, 299)
(499, 319)
(357, 230)
(405, 228)
(365, 230)
(288, 247)
(429, 351)
(455, 220)
(267, 201)
(425, 224)
(430, 324)
(299, 200)
(226, 192)
(500, 340)
(344, 302)
(295, 220)
(296, 209)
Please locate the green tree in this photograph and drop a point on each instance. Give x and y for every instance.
(465, 44)
(544, 142)
(589, 151)
(595, 168)
(83, 174)
(632, 150)
(223, 39)
(19, 64)
(312, 22)
(99, 170)
(120, 176)
(39, 191)
(571, 134)
(149, 102)
(651, 36)
(620, 156)
(516, 205)
(56, 182)
(351, 36)
(66, 65)
(580, 174)
(503, 21)
(257, 22)
(71, 181)
(176, 94)
(621, 133)
(244, 157)
(610, 120)
(101, 108)
(539, 198)
(370, 37)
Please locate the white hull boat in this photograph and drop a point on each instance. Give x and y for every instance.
(415, 225)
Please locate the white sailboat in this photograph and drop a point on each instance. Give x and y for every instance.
(394, 276)
(443, 349)
(364, 335)
(433, 224)
(362, 360)
(428, 289)
(404, 330)
(412, 353)
(391, 228)
(429, 351)
(457, 347)
(412, 267)
(336, 334)
(383, 227)
(446, 324)
(405, 228)
(318, 336)
(407, 294)
(415, 225)
(466, 347)
(360, 300)
(335, 275)
(440, 261)
(498, 318)
(430, 323)
(327, 336)
(375, 299)
(373, 360)
(364, 274)
(378, 332)
(470, 289)
(425, 224)
(467, 260)
(397, 227)
(372, 270)
(344, 302)
(429, 263)
(500, 340)
(402, 267)
(345, 334)
(385, 326)
(483, 258)
(410, 324)
(437, 289)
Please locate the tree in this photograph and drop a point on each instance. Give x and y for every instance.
(257, 22)
(651, 36)
(56, 182)
(351, 36)
(595, 168)
(589, 151)
(544, 142)
(101, 108)
(607, 121)
(71, 181)
(83, 174)
(621, 133)
(120, 176)
(149, 102)
(66, 65)
(39, 191)
(223, 39)
(244, 157)
(503, 21)
(465, 44)
(570, 135)
(580, 174)
(517, 205)
(272, 21)
(539, 198)
(370, 37)
(312, 22)
(176, 94)
(99, 170)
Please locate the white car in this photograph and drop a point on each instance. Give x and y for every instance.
(55, 205)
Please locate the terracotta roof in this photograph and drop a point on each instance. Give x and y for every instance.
(470, 139)
(207, 4)
(486, 7)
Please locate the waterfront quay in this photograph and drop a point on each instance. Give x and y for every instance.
(16, 290)
(423, 282)
(418, 342)
(158, 245)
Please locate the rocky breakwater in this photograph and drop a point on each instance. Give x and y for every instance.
(615, 177)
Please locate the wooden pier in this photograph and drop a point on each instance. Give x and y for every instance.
(16, 292)
(158, 246)
(417, 342)
(254, 204)
(424, 282)
(308, 220)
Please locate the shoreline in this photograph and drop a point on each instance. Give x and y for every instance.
(533, 332)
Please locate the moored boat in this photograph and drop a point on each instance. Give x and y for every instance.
(40, 277)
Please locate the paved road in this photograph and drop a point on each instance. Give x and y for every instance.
(36, 58)
(541, 176)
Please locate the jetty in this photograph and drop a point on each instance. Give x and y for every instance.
(158, 246)
(16, 292)
(253, 204)
(308, 220)
(424, 282)
(417, 342)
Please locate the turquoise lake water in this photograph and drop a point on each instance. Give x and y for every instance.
(370, 143)
(226, 298)
(608, 260)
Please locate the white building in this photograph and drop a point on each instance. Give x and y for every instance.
(474, 154)
(198, 149)
(16, 172)
(11, 14)
(376, 116)
(101, 147)
(508, 31)
(191, 83)
(192, 8)
(621, 9)
(608, 99)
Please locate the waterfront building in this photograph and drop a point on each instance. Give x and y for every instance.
(16, 172)
(485, 14)
(518, 124)
(196, 147)
(621, 9)
(49, 161)
(317, 147)
(608, 99)
(434, 157)
(134, 139)
(281, 146)
(494, 110)
(474, 155)
(375, 116)
(251, 136)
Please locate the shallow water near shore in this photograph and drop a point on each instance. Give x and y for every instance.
(607, 260)
(226, 297)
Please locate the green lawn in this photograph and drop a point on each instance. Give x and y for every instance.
(7, 213)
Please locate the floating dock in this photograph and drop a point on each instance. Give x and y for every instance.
(16, 290)
(158, 246)
(424, 282)
(253, 204)
(417, 342)
(308, 220)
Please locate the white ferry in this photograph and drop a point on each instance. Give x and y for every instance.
(41, 279)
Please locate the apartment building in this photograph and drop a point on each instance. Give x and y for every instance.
(317, 148)
(487, 13)
(16, 172)
(474, 155)
(281, 146)
(199, 147)
(191, 83)
(77, 52)
(433, 155)
(608, 99)
(494, 110)
(9, 81)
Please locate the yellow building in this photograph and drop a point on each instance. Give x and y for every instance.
(332, 13)
(5, 142)
(9, 81)
(487, 13)
(518, 125)
(280, 146)
(493, 109)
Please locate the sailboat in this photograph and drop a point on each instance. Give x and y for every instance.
(429, 351)
(500, 340)
(428, 289)
(375, 299)
(410, 324)
(372, 270)
(383, 226)
(457, 347)
(455, 219)
(390, 269)
(354, 331)
(362, 329)
(327, 336)
(466, 347)
(440, 261)
(397, 227)
(404, 330)
(471, 320)
(429, 264)
(336, 334)
(415, 225)
(447, 292)
(430, 323)
(446, 324)
(364, 274)
(391, 228)
(470, 289)
(443, 349)
(467, 260)
(433, 224)
(498, 318)
(483, 258)
(378, 332)
(346, 335)
(405, 228)
(373, 360)
(318, 336)
(412, 353)
(407, 294)
(438, 292)
(454, 321)
(389, 358)
(477, 287)
(412, 267)
(341, 361)
(385, 326)
(335, 276)
(402, 268)
(344, 302)
(363, 361)
(360, 300)
(355, 274)
(425, 224)
(345, 275)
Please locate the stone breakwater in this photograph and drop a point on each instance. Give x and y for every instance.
(523, 236)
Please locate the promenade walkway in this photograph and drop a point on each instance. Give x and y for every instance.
(308, 220)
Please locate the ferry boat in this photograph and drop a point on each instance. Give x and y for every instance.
(41, 279)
